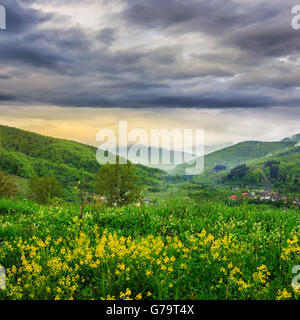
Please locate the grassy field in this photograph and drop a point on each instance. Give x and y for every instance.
(175, 250)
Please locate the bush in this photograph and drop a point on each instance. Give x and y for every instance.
(45, 189)
(7, 187)
(118, 183)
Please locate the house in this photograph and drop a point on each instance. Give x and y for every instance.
(146, 201)
(297, 203)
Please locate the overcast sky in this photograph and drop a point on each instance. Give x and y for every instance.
(231, 67)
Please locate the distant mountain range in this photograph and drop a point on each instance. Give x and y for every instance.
(25, 154)
(167, 158)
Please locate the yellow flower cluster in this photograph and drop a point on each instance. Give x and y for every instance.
(58, 268)
(262, 275)
(106, 265)
(292, 250)
(283, 295)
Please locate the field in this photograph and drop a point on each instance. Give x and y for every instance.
(173, 250)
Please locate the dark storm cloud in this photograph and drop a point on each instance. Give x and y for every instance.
(31, 56)
(153, 98)
(22, 42)
(150, 55)
(107, 36)
(267, 40)
(211, 101)
(4, 77)
(6, 97)
(263, 28)
(21, 18)
(212, 16)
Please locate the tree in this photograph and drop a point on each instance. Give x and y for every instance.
(219, 168)
(274, 172)
(7, 187)
(238, 173)
(118, 183)
(44, 189)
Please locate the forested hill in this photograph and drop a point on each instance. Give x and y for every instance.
(241, 153)
(281, 170)
(26, 154)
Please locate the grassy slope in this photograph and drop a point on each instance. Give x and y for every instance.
(25, 154)
(244, 236)
(22, 185)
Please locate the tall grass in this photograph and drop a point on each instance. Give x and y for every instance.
(173, 250)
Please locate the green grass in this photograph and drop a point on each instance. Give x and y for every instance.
(246, 251)
(22, 184)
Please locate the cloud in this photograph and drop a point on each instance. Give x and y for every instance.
(150, 54)
(21, 18)
(6, 97)
(199, 16)
(107, 36)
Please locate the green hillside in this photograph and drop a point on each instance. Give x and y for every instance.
(280, 171)
(296, 138)
(219, 163)
(25, 154)
(241, 153)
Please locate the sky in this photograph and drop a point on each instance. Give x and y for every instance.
(231, 67)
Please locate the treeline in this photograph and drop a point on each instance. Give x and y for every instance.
(26, 167)
(117, 184)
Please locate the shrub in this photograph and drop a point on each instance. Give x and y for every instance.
(44, 189)
(7, 187)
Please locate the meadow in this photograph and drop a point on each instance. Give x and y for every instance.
(172, 250)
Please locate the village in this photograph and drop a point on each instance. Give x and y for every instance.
(265, 195)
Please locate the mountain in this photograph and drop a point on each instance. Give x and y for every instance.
(243, 152)
(212, 148)
(238, 154)
(295, 138)
(25, 154)
(168, 159)
(280, 171)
